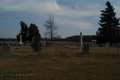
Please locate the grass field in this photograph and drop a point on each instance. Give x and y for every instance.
(101, 64)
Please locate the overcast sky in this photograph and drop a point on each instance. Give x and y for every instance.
(71, 16)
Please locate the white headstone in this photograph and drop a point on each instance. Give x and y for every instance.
(93, 43)
(106, 44)
(20, 39)
(81, 39)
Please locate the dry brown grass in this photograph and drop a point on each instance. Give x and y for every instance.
(102, 64)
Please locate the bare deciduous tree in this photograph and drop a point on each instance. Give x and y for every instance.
(50, 27)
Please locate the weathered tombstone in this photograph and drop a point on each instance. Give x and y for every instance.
(85, 49)
(80, 42)
(106, 44)
(20, 40)
(7, 48)
(93, 43)
(27, 43)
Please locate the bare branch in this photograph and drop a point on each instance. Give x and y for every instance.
(50, 27)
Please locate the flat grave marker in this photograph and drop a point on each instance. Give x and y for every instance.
(17, 54)
(70, 46)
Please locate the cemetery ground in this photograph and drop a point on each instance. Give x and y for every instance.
(60, 64)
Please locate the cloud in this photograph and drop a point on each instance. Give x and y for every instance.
(32, 6)
(45, 6)
(70, 23)
(42, 7)
(117, 10)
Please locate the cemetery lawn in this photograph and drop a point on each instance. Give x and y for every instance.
(101, 64)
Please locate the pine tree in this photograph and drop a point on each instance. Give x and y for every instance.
(34, 33)
(23, 31)
(109, 30)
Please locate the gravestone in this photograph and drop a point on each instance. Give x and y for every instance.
(17, 54)
(20, 44)
(6, 48)
(106, 44)
(93, 43)
(70, 46)
(85, 49)
(80, 40)
(27, 43)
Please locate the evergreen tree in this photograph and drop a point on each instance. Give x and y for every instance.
(34, 33)
(28, 34)
(23, 31)
(34, 36)
(109, 30)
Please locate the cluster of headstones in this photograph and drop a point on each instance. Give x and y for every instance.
(7, 47)
(10, 44)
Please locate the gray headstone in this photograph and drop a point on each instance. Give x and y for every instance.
(7, 48)
(106, 44)
(20, 43)
(86, 49)
(27, 43)
(93, 43)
